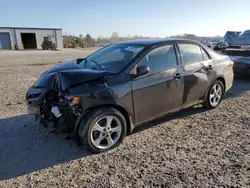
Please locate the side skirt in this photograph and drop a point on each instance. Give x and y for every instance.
(167, 114)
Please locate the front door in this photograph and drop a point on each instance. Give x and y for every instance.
(161, 90)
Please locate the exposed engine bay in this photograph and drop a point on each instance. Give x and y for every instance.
(54, 98)
(59, 111)
(56, 110)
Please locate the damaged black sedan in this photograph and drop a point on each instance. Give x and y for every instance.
(101, 98)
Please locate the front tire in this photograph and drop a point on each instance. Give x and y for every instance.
(214, 95)
(102, 129)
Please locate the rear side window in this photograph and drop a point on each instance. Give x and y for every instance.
(161, 58)
(190, 53)
(205, 56)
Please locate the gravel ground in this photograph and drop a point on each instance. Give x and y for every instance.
(193, 148)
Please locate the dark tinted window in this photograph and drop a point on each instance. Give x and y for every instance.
(161, 58)
(190, 53)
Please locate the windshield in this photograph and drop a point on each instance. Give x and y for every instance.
(112, 58)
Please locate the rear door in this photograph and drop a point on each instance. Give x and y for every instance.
(198, 72)
(160, 91)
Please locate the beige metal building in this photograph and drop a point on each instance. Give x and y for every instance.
(28, 38)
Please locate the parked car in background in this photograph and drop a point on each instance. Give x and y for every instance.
(238, 43)
(220, 45)
(204, 42)
(102, 97)
(216, 46)
(237, 39)
(241, 65)
(209, 44)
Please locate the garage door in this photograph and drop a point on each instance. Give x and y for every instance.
(5, 41)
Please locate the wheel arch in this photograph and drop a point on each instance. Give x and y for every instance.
(121, 109)
(220, 78)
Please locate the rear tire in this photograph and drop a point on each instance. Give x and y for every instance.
(102, 129)
(214, 95)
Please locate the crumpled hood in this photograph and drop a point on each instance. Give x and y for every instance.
(68, 73)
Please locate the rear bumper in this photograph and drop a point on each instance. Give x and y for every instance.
(229, 77)
(237, 51)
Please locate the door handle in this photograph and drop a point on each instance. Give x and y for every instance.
(208, 68)
(178, 76)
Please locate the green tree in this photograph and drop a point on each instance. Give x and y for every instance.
(89, 39)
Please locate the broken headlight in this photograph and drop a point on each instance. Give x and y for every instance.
(73, 100)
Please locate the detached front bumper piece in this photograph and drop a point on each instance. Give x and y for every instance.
(34, 98)
(33, 110)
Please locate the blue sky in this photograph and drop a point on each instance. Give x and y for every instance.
(155, 18)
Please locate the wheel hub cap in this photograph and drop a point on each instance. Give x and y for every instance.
(215, 95)
(106, 132)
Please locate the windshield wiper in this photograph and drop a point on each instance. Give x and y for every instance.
(97, 64)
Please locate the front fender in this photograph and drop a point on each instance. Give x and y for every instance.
(128, 117)
(117, 96)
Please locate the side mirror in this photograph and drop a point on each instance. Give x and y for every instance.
(142, 70)
(78, 61)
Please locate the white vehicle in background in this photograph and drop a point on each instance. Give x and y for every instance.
(222, 45)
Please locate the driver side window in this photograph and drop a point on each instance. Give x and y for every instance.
(161, 58)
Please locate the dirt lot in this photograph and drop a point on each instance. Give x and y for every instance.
(194, 148)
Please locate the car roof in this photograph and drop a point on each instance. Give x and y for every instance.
(156, 41)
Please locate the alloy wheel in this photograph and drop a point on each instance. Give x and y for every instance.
(215, 95)
(106, 132)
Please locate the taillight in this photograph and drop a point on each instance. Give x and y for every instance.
(232, 64)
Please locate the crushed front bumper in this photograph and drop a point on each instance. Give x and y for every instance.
(34, 97)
